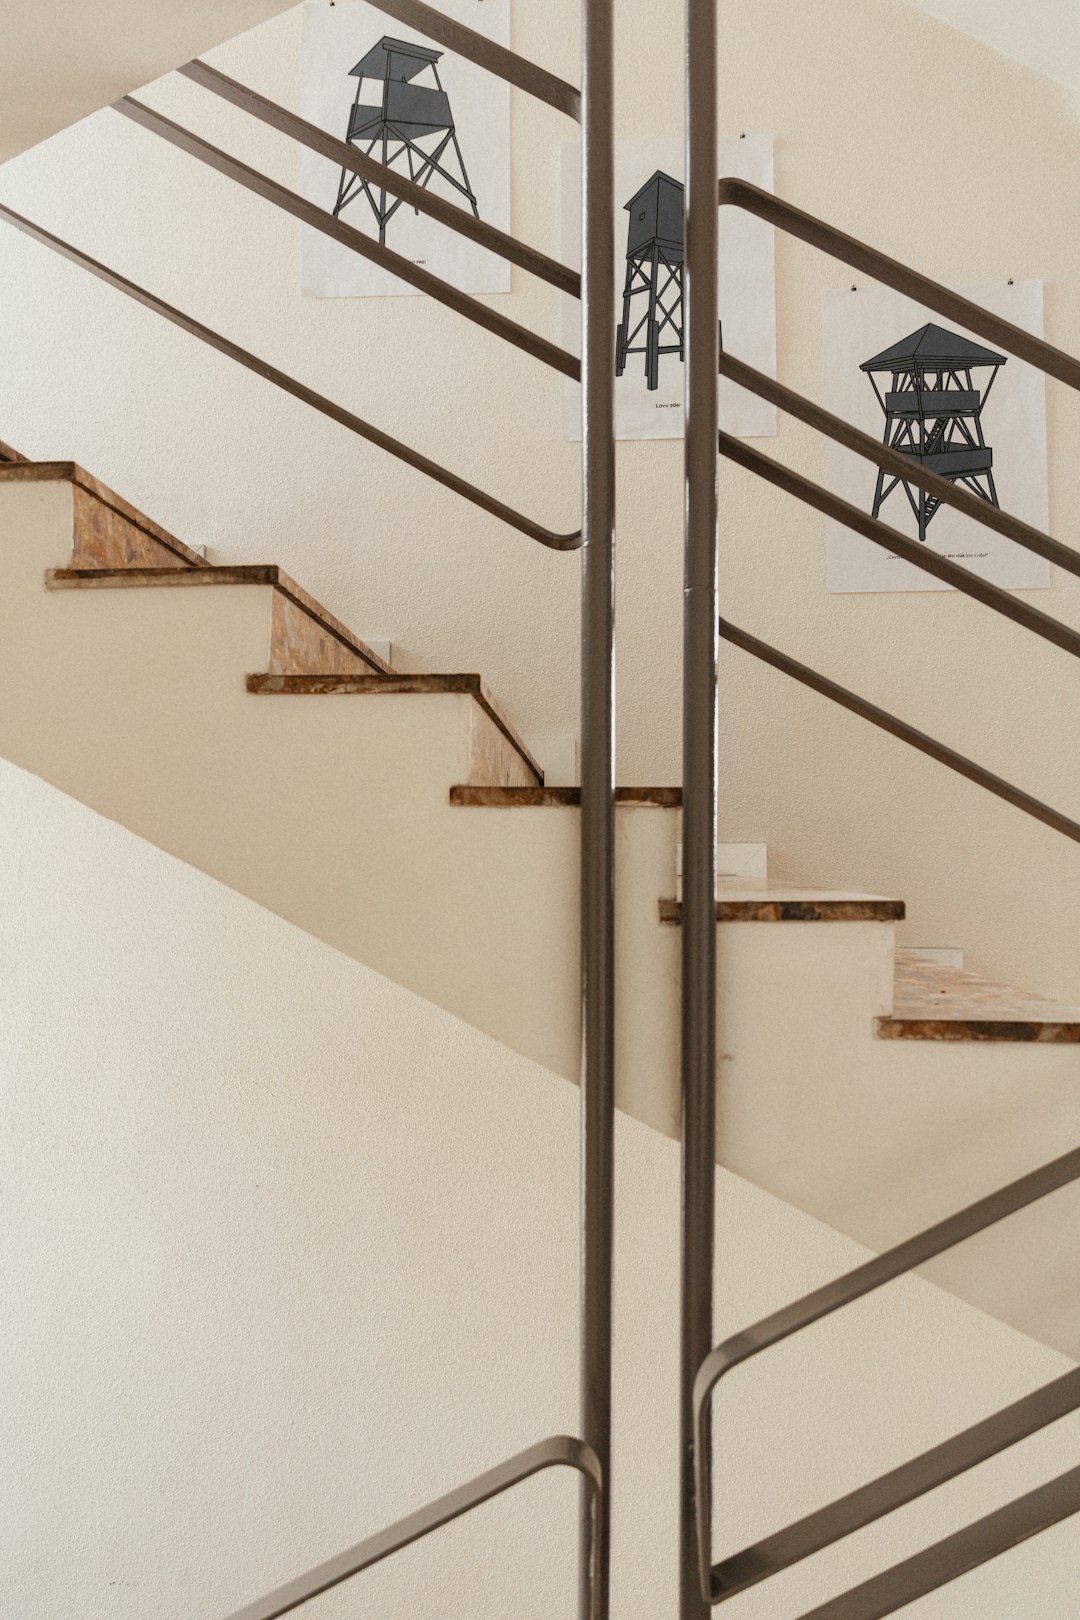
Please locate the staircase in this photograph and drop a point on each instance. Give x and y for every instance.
(416, 835)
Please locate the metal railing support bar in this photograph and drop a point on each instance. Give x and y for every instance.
(795, 222)
(298, 390)
(871, 449)
(699, 767)
(561, 1451)
(899, 728)
(388, 179)
(957, 1554)
(506, 64)
(518, 336)
(845, 1290)
(899, 1486)
(932, 562)
(597, 771)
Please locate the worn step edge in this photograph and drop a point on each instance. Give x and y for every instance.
(18, 470)
(393, 684)
(514, 798)
(66, 579)
(935, 1001)
(781, 904)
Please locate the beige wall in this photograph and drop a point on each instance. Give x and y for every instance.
(1044, 34)
(285, 1250)
(889, 124)
(62, 61)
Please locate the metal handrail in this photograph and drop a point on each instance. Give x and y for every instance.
(486, 53)
(894, 461)
(290, 202)
(912, 283)
(901, 1485)
(561, 1451)
(932, 562)
(900, 728)
(298, 390)
(994, 1533)
(382, 175)
(959, 1553)
(698, 1020)
(722, 1581)
(597, 820)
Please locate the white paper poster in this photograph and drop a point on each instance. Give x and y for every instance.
(648, 264)
(967, 410)
(402, 99)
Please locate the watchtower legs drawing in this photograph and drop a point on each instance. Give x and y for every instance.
(654, 278)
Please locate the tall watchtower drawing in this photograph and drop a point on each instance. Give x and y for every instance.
(653, 289)
(394, 127)
(933, 413)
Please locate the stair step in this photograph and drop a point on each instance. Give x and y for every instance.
(744, 902)
(937, 1002)
(108, 532)
(303, 633)
(485, 761)
(517, 798)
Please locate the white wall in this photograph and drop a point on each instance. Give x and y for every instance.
(284, 1250)
(856, 95)
(62, 61)
(1043, 34)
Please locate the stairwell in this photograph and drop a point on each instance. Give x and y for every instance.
(227, 717)
(413, 856)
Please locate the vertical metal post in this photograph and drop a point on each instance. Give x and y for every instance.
(597, 773)
(700, 633)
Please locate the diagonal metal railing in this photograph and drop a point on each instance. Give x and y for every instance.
(551, 538)
(346, 156)
(561, 1451)
(884, 1495)
(995, 1533)
(309, 213)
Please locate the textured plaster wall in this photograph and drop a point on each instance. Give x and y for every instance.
(888, 123)
(63, 59)
(285, 1251)
(1044, 35)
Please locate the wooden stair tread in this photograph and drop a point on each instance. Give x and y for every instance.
(238, 574)
(392, 684)
(934, 1001)
(15, 469)
(512, 798)
(738, 901)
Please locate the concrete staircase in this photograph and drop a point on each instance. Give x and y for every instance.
(217, 713)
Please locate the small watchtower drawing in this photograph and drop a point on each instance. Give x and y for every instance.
(933, 413)
(654, 273)
(394, 127)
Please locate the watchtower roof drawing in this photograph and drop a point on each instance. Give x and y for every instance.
(933, 346)
(374, 64)
(658, 175)
(656, 217)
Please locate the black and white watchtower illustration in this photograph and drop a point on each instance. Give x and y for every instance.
(652, 312)
(408, 124)
(933, 414)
